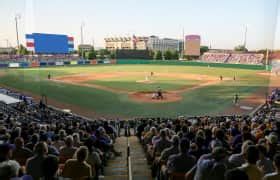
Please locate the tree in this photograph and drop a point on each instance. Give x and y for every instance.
(22, 50)
(203, 49)
(91, 54)
(168, 55)
(158, 55)
(175, 55)
(113, 55)
(152, 54)
(241, 48)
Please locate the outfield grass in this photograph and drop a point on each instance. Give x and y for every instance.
(212, 99)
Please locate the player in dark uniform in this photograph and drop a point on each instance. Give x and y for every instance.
(159, 93)
(221, 77)
(49, 76)
(236, 98)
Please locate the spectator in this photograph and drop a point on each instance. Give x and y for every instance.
(8, 168)
(34, 164)
(276, 174)
(67, 151)
(174, 149)
(33, 142)
(264, 162)
(237, 160)
(212, 166)
(162, 143)
(50, 168)
(250, 167)
(76, 140)
(21, 153)
(78, 168)
(93, 157)
(181, 162)
(236, 174)
(272, 144)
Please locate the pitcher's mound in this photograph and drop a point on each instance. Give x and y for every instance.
(147, 97)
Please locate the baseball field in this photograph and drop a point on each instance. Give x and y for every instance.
(126, 91)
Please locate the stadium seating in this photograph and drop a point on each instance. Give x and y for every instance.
(233, 58)
(215, 57)
(246, 59)
(37, 130)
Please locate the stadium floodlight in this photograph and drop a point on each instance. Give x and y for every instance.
(17, 18)
(245, 36)
(82, 36)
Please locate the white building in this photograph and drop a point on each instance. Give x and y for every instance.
(85, 47)
(114, 43)
(164, 44)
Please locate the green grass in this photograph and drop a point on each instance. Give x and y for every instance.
(206, 100)
(133, 83)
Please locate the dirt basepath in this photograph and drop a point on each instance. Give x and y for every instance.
(258, 98)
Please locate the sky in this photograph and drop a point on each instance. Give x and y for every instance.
(220, 23)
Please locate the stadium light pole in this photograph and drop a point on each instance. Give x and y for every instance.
(183, 44)
(82, 38)
(245, 36)
(82, 35)
(17, 17)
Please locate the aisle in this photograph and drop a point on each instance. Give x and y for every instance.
(140, 168)
(116, 168)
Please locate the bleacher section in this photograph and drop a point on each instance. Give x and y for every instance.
(158, 156)
(233, 58)
(215, 57)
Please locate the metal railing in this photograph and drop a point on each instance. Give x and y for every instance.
(129, 173)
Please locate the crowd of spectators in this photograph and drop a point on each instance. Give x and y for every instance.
(246, 59)
(215, 57)
(214, 148)
(41, 142)
(233, 58)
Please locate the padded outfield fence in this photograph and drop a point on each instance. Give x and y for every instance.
(193, 63)
(32, 64)
(128, 61)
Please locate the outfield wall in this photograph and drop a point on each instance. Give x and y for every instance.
(127, 61)
(54, 63)
(193, 63)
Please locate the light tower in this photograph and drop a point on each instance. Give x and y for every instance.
(17, 17)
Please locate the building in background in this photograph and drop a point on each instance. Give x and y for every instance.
(192, 45)
(41, 43)
(85, 47)
(153, 43)
(129, 43)
(7, 50)
(157, 44)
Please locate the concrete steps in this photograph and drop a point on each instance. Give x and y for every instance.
(117, 167)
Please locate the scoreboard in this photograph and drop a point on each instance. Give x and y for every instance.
(41, 43)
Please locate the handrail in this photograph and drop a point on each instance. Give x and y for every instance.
(129, 161)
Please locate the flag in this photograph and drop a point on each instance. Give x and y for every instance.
(70, 43)
(30, 42)
(134, 38)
